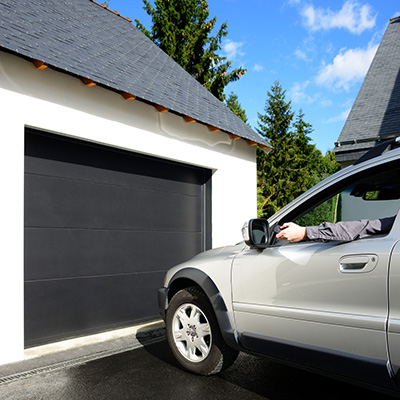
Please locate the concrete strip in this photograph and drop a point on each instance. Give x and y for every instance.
(90, 340)
(81, 350)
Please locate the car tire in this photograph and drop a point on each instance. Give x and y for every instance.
(194, 336)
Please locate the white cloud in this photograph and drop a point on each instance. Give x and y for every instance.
(347, 68)
(301, 54)
(232, 49)
(341, 117)
(326, 103)
(258, 68)
(298, 93)
(353, 16)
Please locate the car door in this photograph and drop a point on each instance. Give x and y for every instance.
(394, 315)
(319, 298)
(331, 296)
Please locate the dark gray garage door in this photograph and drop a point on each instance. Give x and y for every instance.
(101, 228)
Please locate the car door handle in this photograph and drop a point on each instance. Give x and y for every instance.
(358, 263)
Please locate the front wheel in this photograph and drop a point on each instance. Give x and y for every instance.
(194, 336)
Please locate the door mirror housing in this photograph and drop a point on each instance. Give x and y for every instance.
(256, 233)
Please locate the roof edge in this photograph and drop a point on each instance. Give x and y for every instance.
(112, 11)
(87, 81)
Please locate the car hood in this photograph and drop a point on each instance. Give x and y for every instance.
(214, 257)
(220, 252)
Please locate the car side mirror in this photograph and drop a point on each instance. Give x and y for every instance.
(256, 233)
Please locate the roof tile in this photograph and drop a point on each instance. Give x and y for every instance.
(82, 38)
(376, 111)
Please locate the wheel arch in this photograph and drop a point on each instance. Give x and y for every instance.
(194, 277)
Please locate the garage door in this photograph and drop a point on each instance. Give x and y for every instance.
(101, 228)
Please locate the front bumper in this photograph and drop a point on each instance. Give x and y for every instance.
(163, 301)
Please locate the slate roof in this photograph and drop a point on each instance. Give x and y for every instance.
(84, 39)
(376, 111)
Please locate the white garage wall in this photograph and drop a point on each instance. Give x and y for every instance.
(59, 103)
(12, 237)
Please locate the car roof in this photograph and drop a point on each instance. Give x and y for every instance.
(379, 149)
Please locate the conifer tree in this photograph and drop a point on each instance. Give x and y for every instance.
(233, 104)
(283, 173)
(182, 29)
(309, 159)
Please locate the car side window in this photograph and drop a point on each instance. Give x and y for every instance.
(372, 194)
(328, 211)
(352, 204)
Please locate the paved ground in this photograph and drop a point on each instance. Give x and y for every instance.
(121, 369)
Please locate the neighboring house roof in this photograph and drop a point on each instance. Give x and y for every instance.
(85, 39)
(376, 111)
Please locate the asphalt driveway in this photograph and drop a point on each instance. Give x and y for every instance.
(150, 372)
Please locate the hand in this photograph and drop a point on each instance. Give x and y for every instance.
(292, 232)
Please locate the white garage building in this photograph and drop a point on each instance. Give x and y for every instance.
(116, 165)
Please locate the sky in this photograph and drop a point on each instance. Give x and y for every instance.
(318, 50)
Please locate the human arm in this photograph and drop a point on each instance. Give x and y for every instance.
(345, 231)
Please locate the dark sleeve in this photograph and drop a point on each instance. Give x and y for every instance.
(347, 231)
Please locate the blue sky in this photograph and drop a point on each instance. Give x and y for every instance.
(318, 50)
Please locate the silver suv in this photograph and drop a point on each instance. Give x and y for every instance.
(333, 307)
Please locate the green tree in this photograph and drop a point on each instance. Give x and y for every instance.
(325, 166)
(183, 30)
(233, 104)
(273, 180)
(330, 165)
(284, 173)
(328, 211)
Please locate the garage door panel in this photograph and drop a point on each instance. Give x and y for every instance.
(101, 228)
(72, 311)
(106, 176)
(88, 162)
(69, 203)
(68, 253)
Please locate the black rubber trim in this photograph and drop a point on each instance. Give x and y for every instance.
(210, 289)
(163, 301)
(369, 370)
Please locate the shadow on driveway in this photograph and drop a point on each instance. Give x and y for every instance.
(151, 372)
(253, 377)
